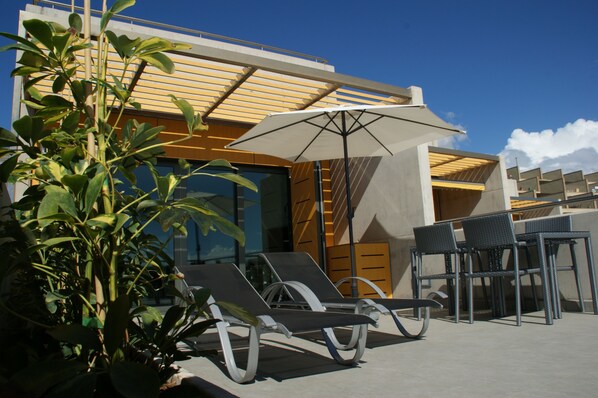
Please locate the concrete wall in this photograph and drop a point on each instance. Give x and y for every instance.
(451, 204)
(390, 196)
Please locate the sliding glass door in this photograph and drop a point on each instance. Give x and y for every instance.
(264, 216)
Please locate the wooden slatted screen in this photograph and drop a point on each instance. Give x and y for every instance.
(372, 261)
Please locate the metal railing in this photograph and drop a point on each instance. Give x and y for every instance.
(590, 197)
(193, 32)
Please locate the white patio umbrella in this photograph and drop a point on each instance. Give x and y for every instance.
(341, 133)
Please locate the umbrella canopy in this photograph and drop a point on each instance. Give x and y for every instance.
(318, 134)
(344, 132)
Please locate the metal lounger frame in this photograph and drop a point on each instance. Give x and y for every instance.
(312, 283)
(195, 277)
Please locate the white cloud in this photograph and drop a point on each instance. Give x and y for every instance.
(454, 140)
(572, 147)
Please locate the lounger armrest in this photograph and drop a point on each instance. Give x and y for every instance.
(364, 280)
(306, 294)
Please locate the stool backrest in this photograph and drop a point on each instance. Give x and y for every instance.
(435, 239)
(489, 232)
(549, 224)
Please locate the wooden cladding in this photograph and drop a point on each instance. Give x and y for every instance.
(305, 217)
(304, 210)
(206, 145)
(372, 261)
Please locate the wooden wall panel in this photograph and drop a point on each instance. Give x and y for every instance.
(304, 214)
(206, 145)
(372, 261)
(327, 199)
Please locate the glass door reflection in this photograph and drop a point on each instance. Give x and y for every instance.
(218, 195)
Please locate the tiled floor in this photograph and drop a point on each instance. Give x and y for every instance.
(491, 358)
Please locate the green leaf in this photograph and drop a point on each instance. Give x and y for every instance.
(71, 122)
(60, 43)
(78, 90)
(7, 166)
(51, 299)
(128, 174)
(56, 241)
(194, 205)
(219, 163)
(55, 170)
(166, 186)
(40, 376)
(170, 217)
(55, 198)
(113, 39)
(183, 164)
(144, 134)
(118, 89)
(160, 61)
(238, 312)
(59, 84)
(25, 71)
(77, 47)
(31, 82)
(103, 221)
(203, 221)
(198, 328)
(76, 334)
(75, 22)
(117, 7)
(26, 44)
(121, 219)
(56, 27)
(230, 229)
(56, 217)
(35, 93)
(151, 315)
(32, 59)
(171, 318)
(186, 109)
(93, 191)
(238, 179)
(149, 203)
(153, 45)
(7, 138)
(81, 386)
(41, 31)
(201, 296)
(134, 380)
(75, 182)
(28, 127)
(56, 101)
(116, 323)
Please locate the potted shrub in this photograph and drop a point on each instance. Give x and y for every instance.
(77, 254)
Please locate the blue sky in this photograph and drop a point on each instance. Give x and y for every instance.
(513, 73)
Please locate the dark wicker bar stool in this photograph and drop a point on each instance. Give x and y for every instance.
(438, 239)
(493, 235)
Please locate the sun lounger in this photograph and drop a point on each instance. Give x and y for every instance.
(299, 272)
(227, 284)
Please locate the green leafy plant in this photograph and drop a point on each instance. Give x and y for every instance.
(79, 257)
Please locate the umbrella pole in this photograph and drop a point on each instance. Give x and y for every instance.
(349, 209)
